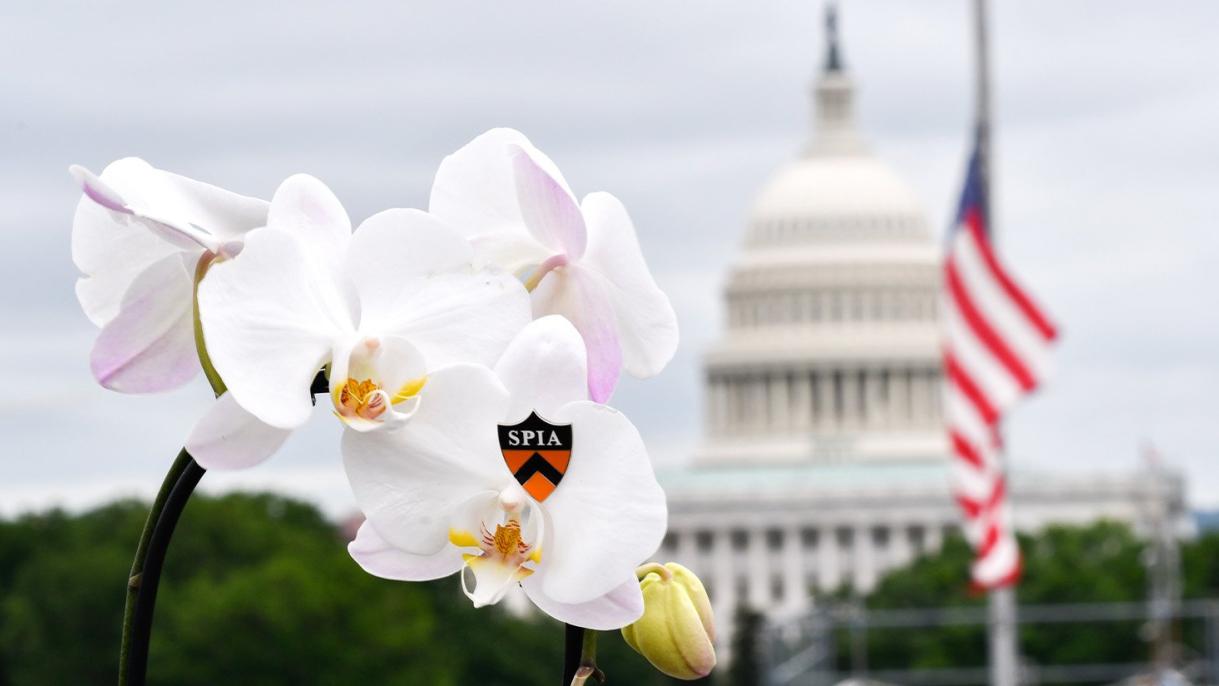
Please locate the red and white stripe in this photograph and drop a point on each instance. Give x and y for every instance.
(997, 348)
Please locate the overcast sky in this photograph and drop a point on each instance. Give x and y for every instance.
(1108, 173)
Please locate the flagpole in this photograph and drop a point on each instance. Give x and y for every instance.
(1001, 606)
(982, 112)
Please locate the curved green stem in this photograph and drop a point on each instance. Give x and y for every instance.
(580, 657)
(136, 581)
(205, 361)
(176, 489)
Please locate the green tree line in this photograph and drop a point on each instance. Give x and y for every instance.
(257, 589)
(1103, 562)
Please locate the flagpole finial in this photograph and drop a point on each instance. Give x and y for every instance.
(833, 52)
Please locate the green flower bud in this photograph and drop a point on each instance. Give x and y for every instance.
(677, 630)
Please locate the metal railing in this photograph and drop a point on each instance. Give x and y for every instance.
(805, 651)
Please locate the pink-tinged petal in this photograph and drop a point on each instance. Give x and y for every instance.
(97, 190)
(583, 297)
(608, 515)
(647, 325)
(228, 437)
(181, 211)
(614, 610)
(304, 207)
(111, 254)
(270, 319)
(149, 346)
(544, 368)
(475, 191)
(548, 208)
(377, 557)
(111, 246)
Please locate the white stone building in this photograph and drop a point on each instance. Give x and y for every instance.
(824, 460)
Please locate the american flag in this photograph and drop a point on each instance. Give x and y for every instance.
(997, 345)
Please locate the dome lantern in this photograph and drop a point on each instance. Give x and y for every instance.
(833, 100)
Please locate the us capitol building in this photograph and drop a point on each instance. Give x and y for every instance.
(824, 460)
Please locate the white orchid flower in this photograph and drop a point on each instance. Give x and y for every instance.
(380, 307)
(580, 260)
(138, 237)
(440, 498)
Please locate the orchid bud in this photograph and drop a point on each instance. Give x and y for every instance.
(677, 630)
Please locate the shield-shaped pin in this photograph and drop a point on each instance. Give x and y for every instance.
(537, 453)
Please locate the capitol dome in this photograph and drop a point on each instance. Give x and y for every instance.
(831, 350)
(831, 197)
(837, 191)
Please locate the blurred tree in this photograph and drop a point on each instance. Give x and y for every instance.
(1097, 563)
(746, 667)
(1200, 566)
(62, 582)
(258, 589)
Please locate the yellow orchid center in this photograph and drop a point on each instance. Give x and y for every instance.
(367, 399)
(361, 399)
(506, 539)
(500, 561)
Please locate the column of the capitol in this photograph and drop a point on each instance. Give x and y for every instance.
(794, 583)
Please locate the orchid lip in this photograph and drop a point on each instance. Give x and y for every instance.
(505, 549)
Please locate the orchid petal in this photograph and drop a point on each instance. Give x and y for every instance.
(492, 580)
(583, 297)
(608, 515)
(474, 190)
(184, 212)
(513, 252)
(548, 208)
(391, 252)
(410, 483)
(647, 325)
(98, 191)
(379, 558)
(111, 254)
(269, 319)
(494, 571)
(544, 368)
(229, 437)
(306, 208)
(111, 248)
(619, 607)
(456, 318)
(413, 277)
(149, 345)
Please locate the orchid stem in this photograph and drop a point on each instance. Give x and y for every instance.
(573, 639)
(580, 657)
(205, 360)
(176, 489)
(184, 474)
